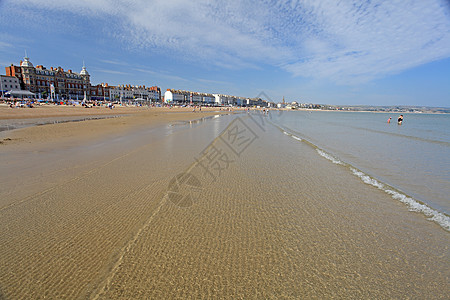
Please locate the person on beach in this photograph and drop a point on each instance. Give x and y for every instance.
(389, 120)
(400, 120)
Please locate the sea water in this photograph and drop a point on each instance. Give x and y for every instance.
(409, 161)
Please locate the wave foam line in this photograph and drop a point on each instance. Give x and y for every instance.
(292, 136)
(329, 157)
(413, 205)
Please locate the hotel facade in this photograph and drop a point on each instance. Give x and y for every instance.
(58, 84)
(51, 82)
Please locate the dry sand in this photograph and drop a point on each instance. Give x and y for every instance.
(89, 216)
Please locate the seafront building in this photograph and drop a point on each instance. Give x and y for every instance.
(172, 96)
(99, 92)
(8, 83)
(10, 87)
(51, 82)
(139, 93)
(58, 84)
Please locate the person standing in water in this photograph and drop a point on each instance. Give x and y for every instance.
(389, 120)
(400, 120)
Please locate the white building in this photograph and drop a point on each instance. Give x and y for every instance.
(195, 98)
(208, 98)
(129, 92)
(8, 83)
(120, 93)
(176, 96)
(141, 92)
(154, 94)
(225, 99)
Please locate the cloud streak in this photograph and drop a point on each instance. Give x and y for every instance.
(110, 71)
(161, 74)
(343, 41)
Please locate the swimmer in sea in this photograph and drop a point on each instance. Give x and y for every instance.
(389, 120)
(400, 120)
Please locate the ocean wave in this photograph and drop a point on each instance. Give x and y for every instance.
(413, 205)
(292, 136)
(329, 157)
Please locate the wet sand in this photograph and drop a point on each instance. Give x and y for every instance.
(91, 216)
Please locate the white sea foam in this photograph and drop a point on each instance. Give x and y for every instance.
(413, 205)
(367, 179)
(292, 136)
(329, 157)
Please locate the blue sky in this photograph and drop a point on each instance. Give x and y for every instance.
(393, 52)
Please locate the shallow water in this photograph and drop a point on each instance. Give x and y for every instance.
(414, 157)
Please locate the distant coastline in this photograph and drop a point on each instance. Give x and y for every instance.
(374, 109)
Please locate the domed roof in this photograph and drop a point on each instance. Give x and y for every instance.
(83, 71)
(26, 63)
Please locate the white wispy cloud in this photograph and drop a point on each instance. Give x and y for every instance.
(110, 71)
(344, 41)
(214, 81)
(366, 40)
(161, 74)
(4, 45)
(114, 62)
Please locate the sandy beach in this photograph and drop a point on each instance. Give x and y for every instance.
(130, 117)
(102, 209)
